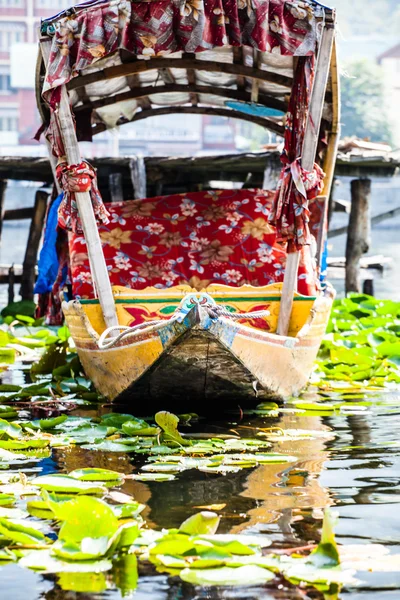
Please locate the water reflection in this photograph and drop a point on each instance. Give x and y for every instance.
(354, 464)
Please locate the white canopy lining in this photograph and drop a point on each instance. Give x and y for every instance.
(243, 76)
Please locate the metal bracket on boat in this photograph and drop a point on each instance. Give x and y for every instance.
(190, 301)
(204, 301)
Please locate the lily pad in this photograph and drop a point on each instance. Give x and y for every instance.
(226, 576)
(169, 424)
(43, 560)
(68, 485)
(93, 474)
(21, 533)
(204, 522)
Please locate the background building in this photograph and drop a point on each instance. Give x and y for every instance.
(19, 121)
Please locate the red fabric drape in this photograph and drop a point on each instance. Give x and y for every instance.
(72, 178)
(158, 28)
(78, 178)
(290, 213)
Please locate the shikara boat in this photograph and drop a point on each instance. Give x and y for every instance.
(210, 294)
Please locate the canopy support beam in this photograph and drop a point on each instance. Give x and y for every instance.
(266, 122)
(307, 161)
(91, 233)
(192, 88)
(142, 66)
(330, 156)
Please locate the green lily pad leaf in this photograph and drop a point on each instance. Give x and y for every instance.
(138, 427)
(127, 534)
(86, 517)
(171, 562)
(22, 308)
(69, 485)
(46, 424)
(7, 555)
(110, 446)
(21, 533)
(54, 356)
(36, 389)
(169, 424)
(317, 406)
(225, 539)
(7, 356)
(7, 499)
(88, 434)
(63, 333)
(153, 477)
(164, 467)
(24, 444)
(173, 544)
(116, 420)
(92, 474)
(246, 576)
(43, 560)
(128, 511)
(87, 549)
(9, 430)
(204, 522)
(8, 387)
(7, 412)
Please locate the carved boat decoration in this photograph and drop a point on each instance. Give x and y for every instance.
(205, 294)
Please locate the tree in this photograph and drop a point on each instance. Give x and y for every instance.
(363, 102)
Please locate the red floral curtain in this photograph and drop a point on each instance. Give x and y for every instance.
(158, 28)
(290, 212)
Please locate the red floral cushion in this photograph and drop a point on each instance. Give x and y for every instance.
(196, 238)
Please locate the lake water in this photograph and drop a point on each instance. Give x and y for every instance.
(355, 467)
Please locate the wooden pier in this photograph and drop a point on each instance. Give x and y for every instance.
(123, 178)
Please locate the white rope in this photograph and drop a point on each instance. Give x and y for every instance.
(216, 310)
(126, 331)
(213, 310)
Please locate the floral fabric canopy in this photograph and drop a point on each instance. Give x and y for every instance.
(147, 28)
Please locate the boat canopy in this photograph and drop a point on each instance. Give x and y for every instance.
(127, 60)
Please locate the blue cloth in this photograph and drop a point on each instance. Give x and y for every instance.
(48, 260)
(324, 262)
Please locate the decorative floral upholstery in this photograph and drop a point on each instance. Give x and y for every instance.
(196, 238)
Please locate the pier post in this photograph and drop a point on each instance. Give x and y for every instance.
(32, 246)
(3, 187)
(358, 236)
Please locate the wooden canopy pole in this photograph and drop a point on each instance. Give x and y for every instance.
(307, 161)
(97, 262)
(330, 156)
(91, 233)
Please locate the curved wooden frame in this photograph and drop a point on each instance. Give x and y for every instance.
(200, 110)
(135, 67)
(149, 90)
(132, 67)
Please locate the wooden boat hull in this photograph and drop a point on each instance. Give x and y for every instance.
(200, 358)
